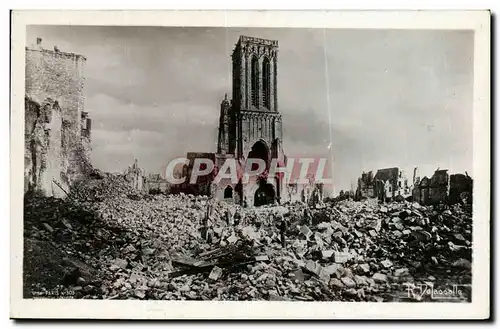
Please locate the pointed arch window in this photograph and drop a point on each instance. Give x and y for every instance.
(266, 82)
(255, 81)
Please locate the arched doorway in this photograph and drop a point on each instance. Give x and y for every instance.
(265, 194)
(228, 192)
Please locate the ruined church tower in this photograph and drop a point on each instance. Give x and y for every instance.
(250, 124)
(252, 117)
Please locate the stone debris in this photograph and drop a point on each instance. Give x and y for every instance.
(326, 254)
(463, 263)
(306, 231)
(348, 282)
(336, 283)
(380, 278)
(48, 227)
(215, 274)
(118, 244)
(139, 294)
(386, 263)
(365, 268)
(119, 263)
(341, 257)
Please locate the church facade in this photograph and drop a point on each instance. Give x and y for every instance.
(250, 125)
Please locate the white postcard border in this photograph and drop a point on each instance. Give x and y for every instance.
(479, 21)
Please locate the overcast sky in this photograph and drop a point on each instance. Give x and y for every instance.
(389, 98)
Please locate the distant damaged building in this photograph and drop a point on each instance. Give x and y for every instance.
(443, 188)
(439, 187)
(156, 184)
(311, 192)
(135, 176)
(460, 188)
(366, 186)
(57, 130)
(202, 184)
(391, 184)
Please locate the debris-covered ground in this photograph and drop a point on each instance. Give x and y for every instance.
(106, 242)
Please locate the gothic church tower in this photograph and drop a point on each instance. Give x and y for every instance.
(253, 115)
(250, 125)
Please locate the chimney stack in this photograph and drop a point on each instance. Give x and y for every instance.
(39, 41)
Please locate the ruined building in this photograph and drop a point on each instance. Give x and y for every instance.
(57, 130)
(156, 184)
(460, 188)
(306, 192)
(387, 184)
(443, 188)
(136, 176)
(439, 186)
(391, 184)
(203, 183)
(366, 186)
(250, 124)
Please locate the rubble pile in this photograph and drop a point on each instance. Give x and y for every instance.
(194, 248)
(101, 186)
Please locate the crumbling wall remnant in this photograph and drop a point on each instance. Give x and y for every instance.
(43, 147)
(136, 176)
(57, 144)
(443, 188)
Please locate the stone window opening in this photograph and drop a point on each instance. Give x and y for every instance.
(266, 82)
(255, 81)
(228, 192)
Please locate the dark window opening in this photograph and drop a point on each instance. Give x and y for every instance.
(228, 192)
(266, 82)
(255, 78)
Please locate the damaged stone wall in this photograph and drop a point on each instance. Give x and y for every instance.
(44, 157)
(156, 184)
(439, 187)
(59, 76)
(460, 189)
(391, 183)
(443, 188)
(300, 192)
(366, 186)
(57, 144)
